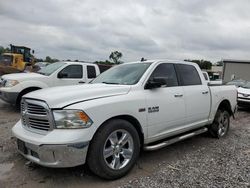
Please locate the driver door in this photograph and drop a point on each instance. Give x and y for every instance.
(165, 105)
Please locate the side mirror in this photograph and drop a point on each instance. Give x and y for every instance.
(156, 83)
(62, 75)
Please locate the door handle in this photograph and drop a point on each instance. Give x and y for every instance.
(204, 92)
(178, 95)
(81, 82)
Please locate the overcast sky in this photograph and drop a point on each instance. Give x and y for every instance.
(91, 29)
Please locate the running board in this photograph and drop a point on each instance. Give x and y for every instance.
(173, 140)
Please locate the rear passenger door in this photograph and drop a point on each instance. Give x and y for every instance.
(91, 73)
(165, 105)
(197, 95)
(70, 75)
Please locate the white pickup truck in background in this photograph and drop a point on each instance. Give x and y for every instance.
(140, 105)
(211, 82)
(14, 86)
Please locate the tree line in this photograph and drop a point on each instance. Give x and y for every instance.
(115, 58)
(4, 50)
(203, 64)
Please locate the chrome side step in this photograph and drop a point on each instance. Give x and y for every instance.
(173, 140)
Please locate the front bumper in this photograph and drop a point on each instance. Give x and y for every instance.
(58, 156)
(57, 148)
(9, 97)
(243, 102)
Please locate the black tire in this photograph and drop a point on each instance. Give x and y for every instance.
(18, 101)
(19, 98)
(96, 161)
(220, 126)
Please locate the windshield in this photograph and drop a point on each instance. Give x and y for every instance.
(6, 60)
(247, 85)
(48, 70)
(125, 74)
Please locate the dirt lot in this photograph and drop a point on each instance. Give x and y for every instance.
(198, 162)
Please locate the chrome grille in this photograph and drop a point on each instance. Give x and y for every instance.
(22, 112)
(36, 109)
(36, 115)
(39, 124)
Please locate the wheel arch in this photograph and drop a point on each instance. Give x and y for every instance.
(136, 124)
(24, 91)
(225, 105)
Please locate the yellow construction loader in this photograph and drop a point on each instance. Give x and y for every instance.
(16, 60)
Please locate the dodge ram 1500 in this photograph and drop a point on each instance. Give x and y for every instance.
(133, 106)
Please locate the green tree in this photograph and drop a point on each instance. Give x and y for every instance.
(203, 64)
(106, 62)
(115, 56)
(1, 50)
(48, 59)
(219, 63)
(4, 50)
(38, 60)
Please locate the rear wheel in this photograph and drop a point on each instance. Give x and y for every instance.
(114, 149)
(221, 123)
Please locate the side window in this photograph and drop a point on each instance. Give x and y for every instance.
(166, 71)
(91, 71)
(72, 71)
(188, 75)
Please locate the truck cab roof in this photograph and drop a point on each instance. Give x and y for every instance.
(165, 61)
(76, 62)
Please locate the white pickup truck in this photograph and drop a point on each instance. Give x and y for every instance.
(14, 86)
(134, 106)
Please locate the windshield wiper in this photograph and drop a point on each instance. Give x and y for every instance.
(110, 83)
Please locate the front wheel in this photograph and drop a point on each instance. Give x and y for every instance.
(114, 149)
(221, 123)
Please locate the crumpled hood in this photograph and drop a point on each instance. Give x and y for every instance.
(22, 76)
(244, 90)
(59, 97)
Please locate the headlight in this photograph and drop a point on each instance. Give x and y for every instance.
(10, 83)
(71, 119)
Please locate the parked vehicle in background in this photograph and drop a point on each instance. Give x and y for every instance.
(132, 106)
(237, 83)
(16, 60)
(14, 86)
(244, 95)
(211, 82)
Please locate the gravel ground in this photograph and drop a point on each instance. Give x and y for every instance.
(218, 163)
(201, 161)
